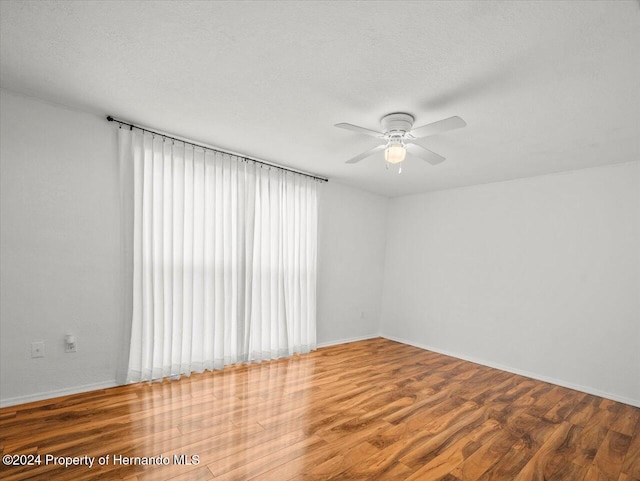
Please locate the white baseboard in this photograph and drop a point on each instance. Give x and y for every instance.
(346, 341)
(13, 401)
(539, 377)
(577, 387)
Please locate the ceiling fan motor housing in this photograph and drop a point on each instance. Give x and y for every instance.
(398, 123)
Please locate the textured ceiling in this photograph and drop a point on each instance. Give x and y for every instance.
(543, 86)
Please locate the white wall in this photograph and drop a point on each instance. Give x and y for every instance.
(59, 248)
(60, 253)
(538, 275)
(351, 249)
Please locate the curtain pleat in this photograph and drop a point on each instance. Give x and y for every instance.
(224, 258)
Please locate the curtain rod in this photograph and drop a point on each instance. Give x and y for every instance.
(205, 147)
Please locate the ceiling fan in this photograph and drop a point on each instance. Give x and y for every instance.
(398, 137)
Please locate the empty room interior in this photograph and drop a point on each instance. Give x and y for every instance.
(320, 240)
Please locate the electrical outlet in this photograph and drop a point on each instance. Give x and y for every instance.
(70, 344)
(37, 349)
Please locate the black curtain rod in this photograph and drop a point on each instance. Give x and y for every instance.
(244, 157)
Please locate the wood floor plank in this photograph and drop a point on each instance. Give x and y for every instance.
(347, 447)
(561, 410)
(607, 463)
(199, 474)
(369, 410)
(329, 467)
(447, 459)
(626, 477)
(591, 438)
(542, 464)
(585, 409)
(627, 421)
(255, 468)
(631, 465)
(486, 456)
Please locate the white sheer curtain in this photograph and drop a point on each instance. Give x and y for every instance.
(224, 258)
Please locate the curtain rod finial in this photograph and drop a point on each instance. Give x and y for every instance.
(109, 118)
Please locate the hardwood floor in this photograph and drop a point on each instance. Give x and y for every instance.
(369, 410)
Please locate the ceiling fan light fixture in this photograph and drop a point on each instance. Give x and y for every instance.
(395, 153)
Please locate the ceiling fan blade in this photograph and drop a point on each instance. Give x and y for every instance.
(438, 127)
(362, 130)
(424, 154)
(366, 154)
